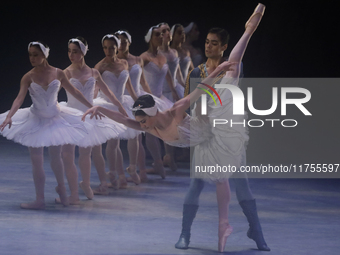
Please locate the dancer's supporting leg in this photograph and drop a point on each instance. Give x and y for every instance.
(190, 207)
(99, 163)
(133, 147)
(141, 160)
(153, 145)
(169, 158)
(58, 170)
(71, 172)
(248, 205)
(85, 170)
(37, 159)
(223, 199)
(115, 161)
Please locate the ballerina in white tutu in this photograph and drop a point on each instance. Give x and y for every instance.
(115, 73)
(45, 123)
(85, 79)
(156, 72)
(222, 145)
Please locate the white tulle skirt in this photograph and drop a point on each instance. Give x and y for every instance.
(32, 130)
(127, 103)
(101, 131)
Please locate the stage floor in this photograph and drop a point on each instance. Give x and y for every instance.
(298, 216)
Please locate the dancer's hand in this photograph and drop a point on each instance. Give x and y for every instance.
(94, 111)
(122, 111)
(8, 121)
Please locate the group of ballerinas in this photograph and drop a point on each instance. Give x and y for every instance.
(152, 103)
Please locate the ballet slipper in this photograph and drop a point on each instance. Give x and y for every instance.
(131, 170)
(35, 205)
(255, 18)
(71, 200)
(87, 190)
(62, 195)
(112, 176)
(122, 181)
(224, 230)
(102, 189)
(143, 176)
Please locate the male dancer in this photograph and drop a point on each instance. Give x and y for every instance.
(215, 45)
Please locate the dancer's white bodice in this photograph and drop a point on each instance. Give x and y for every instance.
(155, 76)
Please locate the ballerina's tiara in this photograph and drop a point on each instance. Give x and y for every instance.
(172, 30)
(147, 37)
(150, 111)
(122, 32)
(188, 28)
(45, 50)
(108, 36)
(84, 48)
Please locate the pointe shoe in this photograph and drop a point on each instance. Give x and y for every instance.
(87, 190)
(133, 174)
(122, 181)
(224, 230)
(112, 176)
(255, 18)
(35, 205)
(143, 176)
(102, 189)
(62, 195)
(71, 200)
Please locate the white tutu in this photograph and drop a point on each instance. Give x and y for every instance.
(46, 123)
(102, 129)
(117, 86)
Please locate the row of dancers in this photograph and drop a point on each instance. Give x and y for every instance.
(153, 103)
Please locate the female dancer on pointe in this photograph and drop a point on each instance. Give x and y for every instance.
(178, 38)
(137, 80)
(212, 145)
(115, 73)
(85, 79)
(45, 123)
(156, 71)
